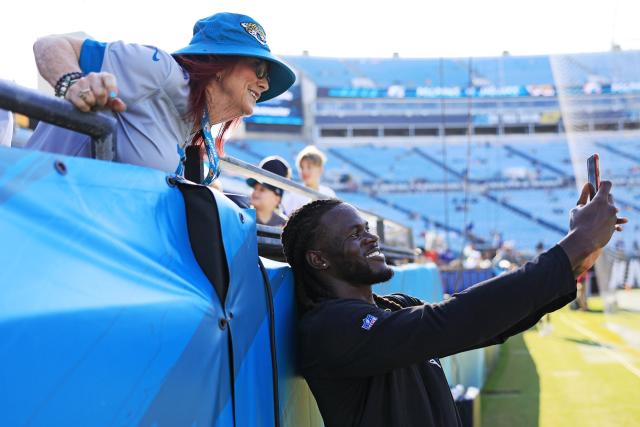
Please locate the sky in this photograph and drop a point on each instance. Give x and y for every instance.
(345, 28)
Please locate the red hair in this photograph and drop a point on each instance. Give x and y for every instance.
(201, 70)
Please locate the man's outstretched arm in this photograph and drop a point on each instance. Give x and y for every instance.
(477, 316)
(576, 246)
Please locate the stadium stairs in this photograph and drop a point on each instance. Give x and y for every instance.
(618, 151)
(438, 163)
(513, 208)
(353, 163)
(525, 214)
(535, 161)
(410, 213)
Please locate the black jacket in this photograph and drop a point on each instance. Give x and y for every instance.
(368, 366)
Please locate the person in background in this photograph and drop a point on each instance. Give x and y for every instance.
(266, 198)
(162, 102)
(6, 128)
(310, 162)
(581, 296)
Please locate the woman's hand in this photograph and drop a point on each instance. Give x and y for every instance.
(58, 55)
(96, 91)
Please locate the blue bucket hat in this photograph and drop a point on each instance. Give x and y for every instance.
(240, 35)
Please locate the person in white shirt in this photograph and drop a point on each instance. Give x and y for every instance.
(310, 162)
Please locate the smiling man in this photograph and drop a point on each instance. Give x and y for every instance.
(374, 361)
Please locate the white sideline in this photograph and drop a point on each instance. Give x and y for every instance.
(611, 353)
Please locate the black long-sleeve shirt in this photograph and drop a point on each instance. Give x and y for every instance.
(368, 366)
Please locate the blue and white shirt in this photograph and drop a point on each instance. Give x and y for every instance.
(156, 91)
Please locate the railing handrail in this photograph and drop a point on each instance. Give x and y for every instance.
(248, 170)
(31, 103)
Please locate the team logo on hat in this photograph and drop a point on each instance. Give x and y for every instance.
(256, 31)
(368, 321)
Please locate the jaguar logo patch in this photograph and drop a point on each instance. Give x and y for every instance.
(256, 31)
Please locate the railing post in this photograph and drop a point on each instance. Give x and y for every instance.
(104, 148)
(410, 241)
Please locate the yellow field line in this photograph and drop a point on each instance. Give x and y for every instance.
(593, 337)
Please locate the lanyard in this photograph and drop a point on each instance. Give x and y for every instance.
(212, 154)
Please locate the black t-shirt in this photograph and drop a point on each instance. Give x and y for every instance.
(369, 366)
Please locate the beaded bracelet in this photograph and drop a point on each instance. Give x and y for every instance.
(64, 83)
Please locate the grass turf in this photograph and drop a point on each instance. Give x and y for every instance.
(586, 372)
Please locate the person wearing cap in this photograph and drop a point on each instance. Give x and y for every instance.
(162, 102)
(265, 198)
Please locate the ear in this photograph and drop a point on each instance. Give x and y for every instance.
(316, 260)
(220, 75)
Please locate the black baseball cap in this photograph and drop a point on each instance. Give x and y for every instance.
(274, 164)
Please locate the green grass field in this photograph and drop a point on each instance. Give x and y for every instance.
(585, 372)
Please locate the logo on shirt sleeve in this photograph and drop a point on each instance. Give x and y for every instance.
(368, 321)
(155, 52)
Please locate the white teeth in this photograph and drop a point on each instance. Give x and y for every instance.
(374, 253)
(254, 94)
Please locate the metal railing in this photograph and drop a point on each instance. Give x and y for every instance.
(396, 240)
(100, 128)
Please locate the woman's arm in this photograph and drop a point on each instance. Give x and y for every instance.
(57, 55)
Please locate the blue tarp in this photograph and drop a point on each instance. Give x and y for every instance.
(106, 317)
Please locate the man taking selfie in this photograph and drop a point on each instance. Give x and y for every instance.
(374, 361)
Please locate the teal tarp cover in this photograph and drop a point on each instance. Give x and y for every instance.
(106, 319)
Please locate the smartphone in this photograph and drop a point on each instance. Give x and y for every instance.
(593, 172)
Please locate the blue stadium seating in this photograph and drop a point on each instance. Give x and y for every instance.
(384, 72)
(575, 69)
(527, 215)
(487, 160)
(387, 163)
(483, 217)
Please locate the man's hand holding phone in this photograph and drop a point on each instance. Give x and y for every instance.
(592, 223)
